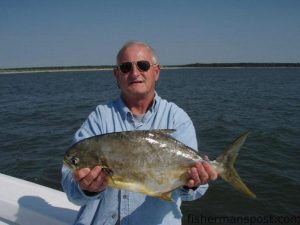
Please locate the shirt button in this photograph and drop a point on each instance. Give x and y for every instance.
(114, 215)
(124, 196)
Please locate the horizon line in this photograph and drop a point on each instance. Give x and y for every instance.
(244, 64)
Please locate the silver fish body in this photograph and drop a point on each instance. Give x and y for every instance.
(150, 162)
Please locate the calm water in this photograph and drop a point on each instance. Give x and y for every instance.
(40, 112)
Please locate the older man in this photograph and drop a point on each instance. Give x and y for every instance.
(137, 108)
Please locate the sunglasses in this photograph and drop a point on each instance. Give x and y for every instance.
(141, 65)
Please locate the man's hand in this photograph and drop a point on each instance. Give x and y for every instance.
(94, 180)
(201, 173)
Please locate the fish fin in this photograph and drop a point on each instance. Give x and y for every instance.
(112, 180)
(120, 183)
(109, 173)
(108, 170)
(228, 172)
(116, 182)
(167, 196)
(164, 131)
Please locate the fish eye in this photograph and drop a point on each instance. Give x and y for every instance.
(74, 161)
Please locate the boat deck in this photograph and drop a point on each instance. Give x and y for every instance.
(27, 203)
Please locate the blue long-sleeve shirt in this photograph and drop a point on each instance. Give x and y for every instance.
(130, 208)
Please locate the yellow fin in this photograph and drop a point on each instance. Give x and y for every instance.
(109, 173)
(167, 196)
(228, 172)
(120, 183)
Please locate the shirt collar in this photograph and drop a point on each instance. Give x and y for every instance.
(124, 110)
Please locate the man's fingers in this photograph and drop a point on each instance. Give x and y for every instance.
(195, 175)
(193, 179)
(80, 174)
(212, 174)
(90, 177)
(94, 180)
(203, 176)
(98, 184)
(190, 183)
(201, 173)
(101, 182)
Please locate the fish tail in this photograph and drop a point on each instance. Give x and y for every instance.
(226, 166)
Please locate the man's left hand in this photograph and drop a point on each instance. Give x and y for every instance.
(201, 173)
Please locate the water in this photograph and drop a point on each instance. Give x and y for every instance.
(40, 112)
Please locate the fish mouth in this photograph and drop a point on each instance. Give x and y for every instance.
(67, 163)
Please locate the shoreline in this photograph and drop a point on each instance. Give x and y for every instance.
(25, 71)
(52, 70)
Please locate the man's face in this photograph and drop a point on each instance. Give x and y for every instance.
(137, 83)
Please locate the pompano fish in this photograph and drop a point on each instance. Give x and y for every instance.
(150, 162)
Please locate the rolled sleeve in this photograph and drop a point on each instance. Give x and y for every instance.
(191, 194)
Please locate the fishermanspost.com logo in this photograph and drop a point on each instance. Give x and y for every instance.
(241, 220)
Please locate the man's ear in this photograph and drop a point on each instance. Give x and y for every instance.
(116, 75)
(157, 72)
(116, 72)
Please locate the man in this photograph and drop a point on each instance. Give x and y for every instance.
(138, 108)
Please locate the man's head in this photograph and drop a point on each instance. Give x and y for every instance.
(131, 43)
(137, 70)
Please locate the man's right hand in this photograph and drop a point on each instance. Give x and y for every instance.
(94, 180)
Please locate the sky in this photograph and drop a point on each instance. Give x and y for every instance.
(36, 33)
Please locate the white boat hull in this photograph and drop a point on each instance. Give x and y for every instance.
(27, 203)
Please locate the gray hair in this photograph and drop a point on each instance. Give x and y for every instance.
(131, 43)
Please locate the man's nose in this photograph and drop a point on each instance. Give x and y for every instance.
(135, 71)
